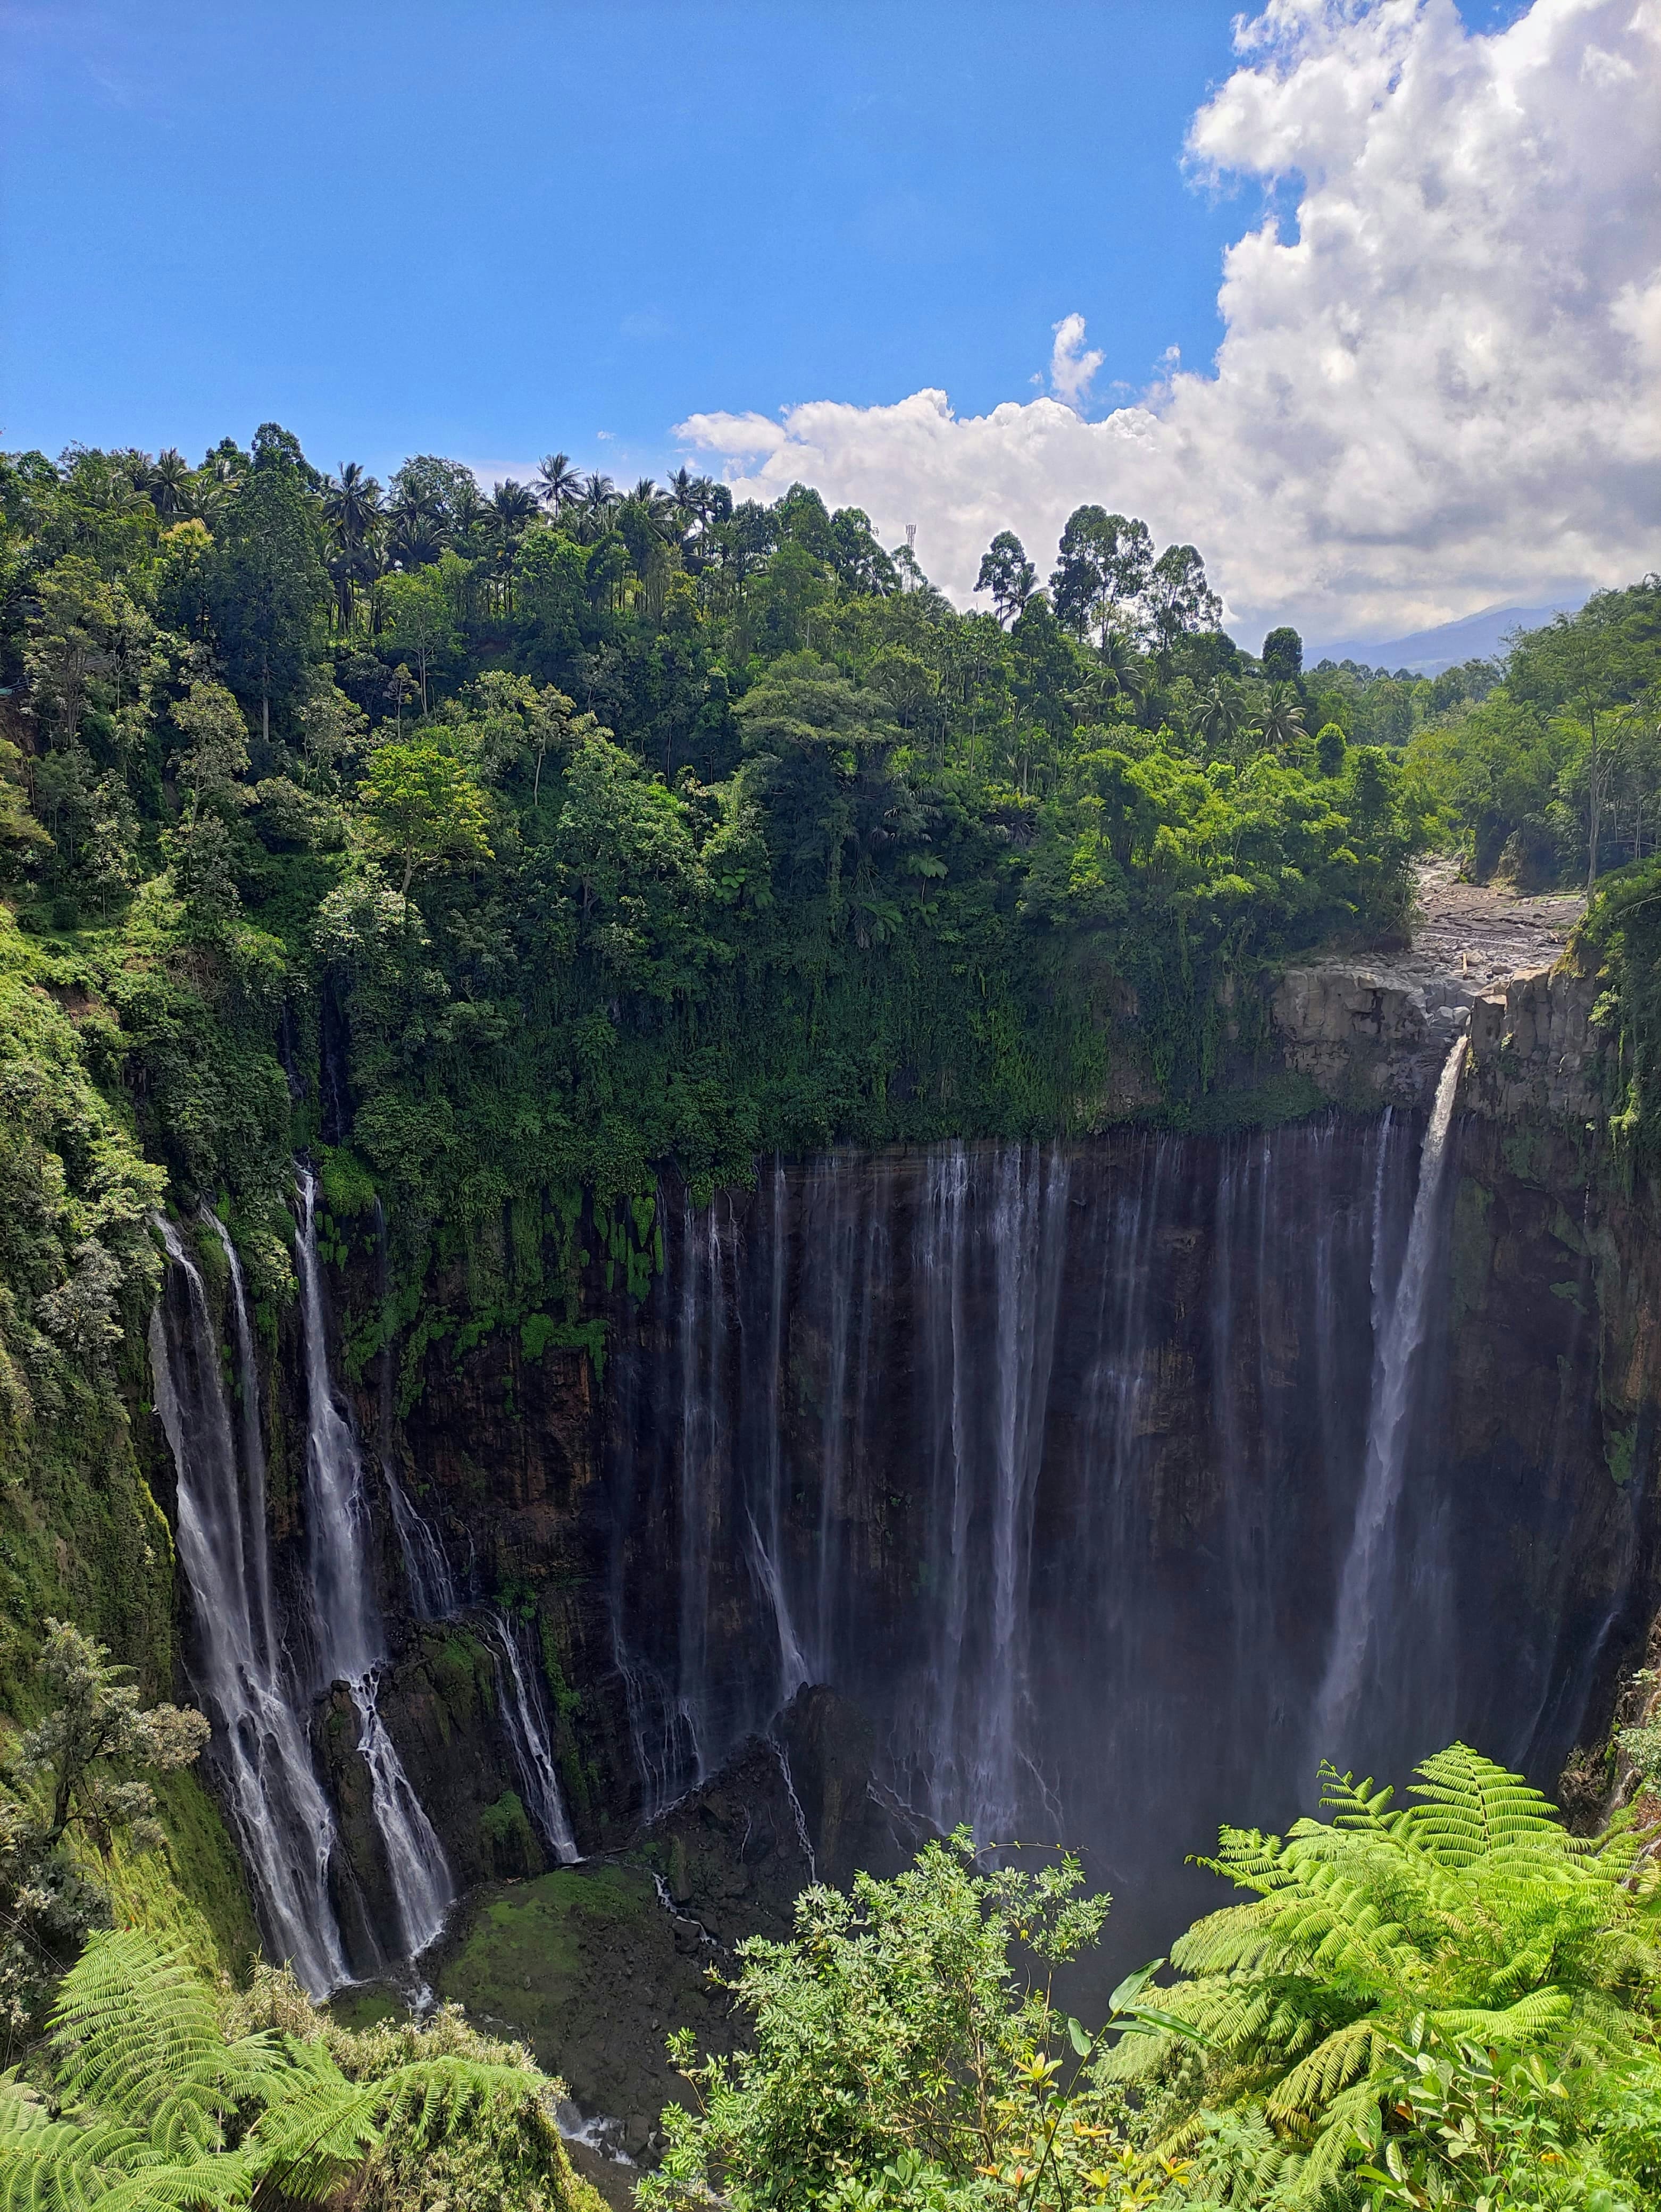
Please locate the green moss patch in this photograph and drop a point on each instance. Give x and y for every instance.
(585, 1966)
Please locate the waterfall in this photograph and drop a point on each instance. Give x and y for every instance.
(525, 1720)
(995, 1439)
(1074, 1469)
(764, 1517)
(428, 1575)
(1399, 1333)
(259, 1750)
(348, 1632)
(258, 1534)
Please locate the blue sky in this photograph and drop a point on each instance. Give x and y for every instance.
(489, 230)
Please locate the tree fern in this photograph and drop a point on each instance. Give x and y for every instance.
(160, 2109)
(1471, 1907)
(1474, 1808)
(51, 2164)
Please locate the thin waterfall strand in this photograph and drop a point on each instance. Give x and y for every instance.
(259, 1750)
(428, 1574)
(1355, 1624)
(347, 1627)
(525, 1719)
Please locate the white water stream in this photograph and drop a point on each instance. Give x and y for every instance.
(346, 1626)
(525, 1720)
(276, 1805)
(1399, 1333)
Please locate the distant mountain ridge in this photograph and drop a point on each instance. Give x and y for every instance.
(1428, 651)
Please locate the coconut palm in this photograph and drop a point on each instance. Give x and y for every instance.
(1282, 725)
(511, 505)
(657, 503)
(469, 513)
(1118, 656)
(558, 486)
(682, 495)
(169, 484)
(1222, 714)
(352, 514)
(600, 497)
(417, 532)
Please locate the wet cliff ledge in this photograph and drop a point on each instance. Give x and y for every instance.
(1375, 1032)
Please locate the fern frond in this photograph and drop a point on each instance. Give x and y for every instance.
(1471, 1808)
(1353, 2112)
(1311, 2085)
(133, 2022)
(55, 2166)
(209, 2184)
(1530, 2020)
(1356, 1804)
(323, 2128)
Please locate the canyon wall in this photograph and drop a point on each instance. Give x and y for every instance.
(1111, 1484)
(1055, 1462)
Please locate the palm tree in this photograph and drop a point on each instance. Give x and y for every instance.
(1120, 657)
(660, 505)
(351, 512)
(558, 485)
(683, 496)
(599, 496)
(511, 505)
(168, 484)
(510, 508)
(351, 505)
(207, 492)
(417, 528)
(1222, 714)
(1282, 725)
(469, 512)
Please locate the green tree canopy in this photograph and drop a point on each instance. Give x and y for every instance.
(422, 804)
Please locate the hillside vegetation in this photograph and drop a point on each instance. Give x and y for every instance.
(508, 849)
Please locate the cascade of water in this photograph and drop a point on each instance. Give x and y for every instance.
(1028, 1232)
(1399, 1331)
(990, 1237)
(940, 1269)
(766, 1550)
(256, 1535)
(347, 1627)
(702, 1429)
(525, 1716)
(1054, 1462)
(827, 1221)
(433, 1595)
(259, 1749)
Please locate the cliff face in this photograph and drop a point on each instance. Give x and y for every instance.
(1054, 1462)
(1108, 1486)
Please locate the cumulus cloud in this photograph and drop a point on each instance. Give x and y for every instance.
(1440, 384)
(1072, 370)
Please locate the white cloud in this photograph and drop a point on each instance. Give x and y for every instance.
(1439, 388)
(1072, 370)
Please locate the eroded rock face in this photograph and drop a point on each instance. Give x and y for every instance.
(1536, 1055)
(1048, 1462)
(1368, 1036)
(1375, 1032)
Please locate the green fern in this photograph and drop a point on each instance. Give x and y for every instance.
(1472, 1908)
(159, 2111)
